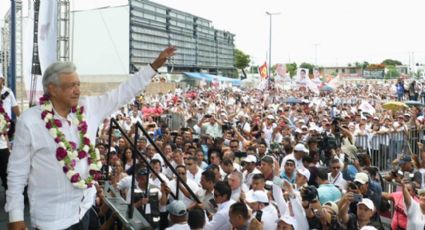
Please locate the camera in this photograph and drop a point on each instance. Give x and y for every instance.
(227, 126)
(309, 193)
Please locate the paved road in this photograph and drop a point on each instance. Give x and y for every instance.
(3, 215)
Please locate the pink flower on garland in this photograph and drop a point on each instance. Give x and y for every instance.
(61, 153)
(82, 154)
(44, 114)
(48, 125)
(83, 127)
(57, 122)
(65, 169)
(75, 178)
(86, 141)
(73, 145)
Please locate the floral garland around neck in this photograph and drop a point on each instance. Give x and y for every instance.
(67, 152)
(4, 121)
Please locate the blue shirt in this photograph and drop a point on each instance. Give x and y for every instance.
(291, 178)
(328, 192)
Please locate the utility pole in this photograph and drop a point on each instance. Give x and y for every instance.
(270, 43)
(12, 72)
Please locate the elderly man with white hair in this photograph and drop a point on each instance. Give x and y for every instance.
(54, 148)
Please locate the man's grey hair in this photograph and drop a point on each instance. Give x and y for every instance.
(52, 73)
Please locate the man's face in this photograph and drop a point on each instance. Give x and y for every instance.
(300, 179)
(262, 148)
(157, 167)
(182, 173)
(234, 182)
(335, 168)
(234, 146)
(236, 220)
(205, 183)
(67, 92)
(364, 213)
(289, 168)
(258, 184)
(215, 159)
(191, 165)
(265, 167)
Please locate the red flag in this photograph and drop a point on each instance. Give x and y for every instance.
(263, 71)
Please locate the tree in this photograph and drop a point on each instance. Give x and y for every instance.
(291, 68)
(391, 72)
(242, 60)
(308, 66)
(391, 62)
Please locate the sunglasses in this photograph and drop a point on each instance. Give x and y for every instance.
(338, 167)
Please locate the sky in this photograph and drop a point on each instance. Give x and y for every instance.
(322, 32)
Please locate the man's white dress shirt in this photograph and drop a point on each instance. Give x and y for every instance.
(220, 220)
(54, 202)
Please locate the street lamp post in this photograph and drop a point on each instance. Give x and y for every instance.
(270, 42)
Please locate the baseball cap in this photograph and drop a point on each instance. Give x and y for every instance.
(250, 159)
(368, 203)
(421, 191)
(404, 159)
(270, 117)
(361, 177)
(368, 227)
(332, 206)
(177, 208)
(257, 196)
(305, 172)
(1, 76)
(300, 148)
(288, 220)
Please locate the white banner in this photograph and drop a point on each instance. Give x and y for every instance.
(47, 42)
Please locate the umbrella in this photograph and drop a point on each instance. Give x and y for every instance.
(293, 100)
(413, 103)
(394, 105)
(326, 88)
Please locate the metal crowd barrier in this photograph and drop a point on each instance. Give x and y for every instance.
(384, 148)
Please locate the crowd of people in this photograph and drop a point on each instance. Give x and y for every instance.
(268, 159)
(218, 157)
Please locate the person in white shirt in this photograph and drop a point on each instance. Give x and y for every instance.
(56, 199)
(193, 171)
(335, 176)
(259, 200)
(178, 216)
(220, 220)
(7, 105)
(415, 210)
(299, 151)
(183, 194)
(249, 169)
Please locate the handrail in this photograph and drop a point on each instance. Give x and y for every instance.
(133, 145)
(179, 179)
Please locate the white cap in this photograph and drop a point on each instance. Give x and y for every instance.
(270, 117)
(304, 127)
(250, 159)
(301, 148)
(361, 177)
(368, 203)
(305, 172)
(289, 220)
(1, 76)
(367, 227)
(257, 196)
